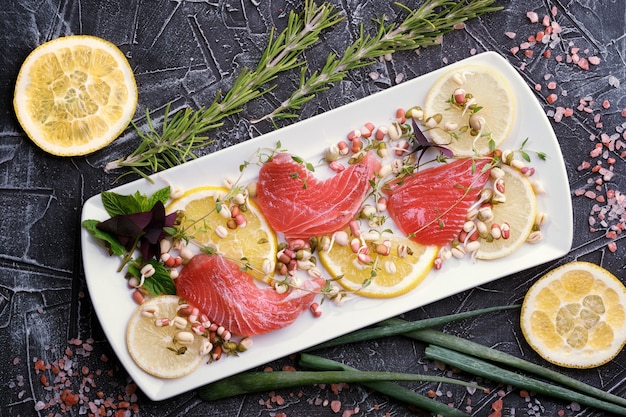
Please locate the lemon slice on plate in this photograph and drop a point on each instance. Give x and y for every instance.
(518, 210)
(575, 316)
(486, 95)
(156, 349)
(383, 276)
(254, 244)
(75, 95)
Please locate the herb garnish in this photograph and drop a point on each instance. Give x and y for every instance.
(137, 222)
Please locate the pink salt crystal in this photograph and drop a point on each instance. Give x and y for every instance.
(551, 85)
(510, 35)
(546, 21)
(533, 17)
(606, 104)
(538, 88)
(583, 64)
(350, 413)
(551, 98)
(612, 246)
(594, 60)
(335, 405)
(524, 45)
(568, 112)
(515, 50)
(590, 194)
(624, 112)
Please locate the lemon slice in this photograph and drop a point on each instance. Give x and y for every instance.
(254, 244)
(384, 276)
(518, 210)
(575, 316)
(485, 89)
(75, 95)
(155, 349)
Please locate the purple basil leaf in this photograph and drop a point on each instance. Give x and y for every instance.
(123, 228)
(447, 152)
(419, 135)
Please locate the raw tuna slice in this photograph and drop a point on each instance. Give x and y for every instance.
(301, 206)
(231, 298)
(431, 206)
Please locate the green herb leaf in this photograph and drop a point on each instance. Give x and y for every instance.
(119, 204)
(110, 242)
(158, 284)
(161, 195)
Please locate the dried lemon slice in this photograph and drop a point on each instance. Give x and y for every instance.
(75, 95)
(486, 96)
(575, 316)
(381, 276)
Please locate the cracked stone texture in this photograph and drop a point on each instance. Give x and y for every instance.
(185, 52)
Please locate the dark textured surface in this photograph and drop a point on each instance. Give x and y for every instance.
(185, 52)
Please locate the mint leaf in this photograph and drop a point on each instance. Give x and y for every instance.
(119, 204)
(161, 195)
(158, 284)
(116, 204)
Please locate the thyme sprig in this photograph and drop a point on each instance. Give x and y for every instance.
(183, 133)
(422, 27)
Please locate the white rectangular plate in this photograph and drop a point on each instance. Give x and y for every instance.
(111, 297)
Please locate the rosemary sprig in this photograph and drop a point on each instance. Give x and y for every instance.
(183, 132)
(422, 27)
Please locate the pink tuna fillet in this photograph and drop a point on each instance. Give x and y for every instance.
(231, 298)
(301, 206)
(431, 206)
